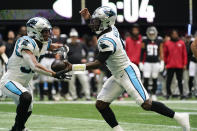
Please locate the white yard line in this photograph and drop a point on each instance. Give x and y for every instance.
(93, 120)
(4, 129)
(93, 102)
(58, 128)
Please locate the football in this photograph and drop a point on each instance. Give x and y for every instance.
(58, 65)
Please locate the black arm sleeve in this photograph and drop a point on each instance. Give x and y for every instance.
(103, 56)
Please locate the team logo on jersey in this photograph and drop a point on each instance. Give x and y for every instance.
(103, 46)
(25, 43)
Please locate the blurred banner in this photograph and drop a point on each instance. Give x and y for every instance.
(158, 12)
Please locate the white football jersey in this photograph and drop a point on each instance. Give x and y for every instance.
(111, 41)
(17, 69)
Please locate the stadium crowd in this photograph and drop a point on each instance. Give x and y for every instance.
(174, 51)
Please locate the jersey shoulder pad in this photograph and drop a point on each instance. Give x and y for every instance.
(27, 43)
(106, 44)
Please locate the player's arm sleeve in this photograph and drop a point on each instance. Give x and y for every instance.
(103, 56)
(30, 59)
(100, 60)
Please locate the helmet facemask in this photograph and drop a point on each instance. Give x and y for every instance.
(45, 35)
(152, 33)
(95, 24)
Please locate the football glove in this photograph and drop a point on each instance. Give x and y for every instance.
(62, 75)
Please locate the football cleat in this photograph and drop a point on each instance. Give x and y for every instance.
(183, 120)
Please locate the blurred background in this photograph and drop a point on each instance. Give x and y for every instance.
(71, 30)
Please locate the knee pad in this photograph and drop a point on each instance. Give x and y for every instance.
(100, 105)
(25, 98)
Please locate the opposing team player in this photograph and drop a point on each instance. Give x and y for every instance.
(125, 75)
(152, 49)
(23, 64)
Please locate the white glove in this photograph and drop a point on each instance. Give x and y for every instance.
(141, 66)
(161, 66)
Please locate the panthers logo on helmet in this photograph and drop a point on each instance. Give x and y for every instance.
(109, 13)
(32, 23)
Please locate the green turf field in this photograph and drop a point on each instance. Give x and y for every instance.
(83, 116)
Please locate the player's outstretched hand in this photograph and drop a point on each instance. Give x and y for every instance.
(85, 13)
(63, 74)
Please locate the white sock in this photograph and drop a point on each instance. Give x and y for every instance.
(176, 116)
(183, 120)
(118, 128)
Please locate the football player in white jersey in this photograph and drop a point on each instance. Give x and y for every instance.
(125, 75)
(23, 64)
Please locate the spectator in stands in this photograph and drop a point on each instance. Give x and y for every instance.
(59, 38)
(10, 43)
(133, 44)
(22, 32)
(77, 54)
(175, 57)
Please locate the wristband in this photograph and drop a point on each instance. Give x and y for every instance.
(78, 67)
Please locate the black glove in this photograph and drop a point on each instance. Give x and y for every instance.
(62, 75)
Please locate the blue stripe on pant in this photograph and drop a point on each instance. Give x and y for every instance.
(134, 80)
(12, 87)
